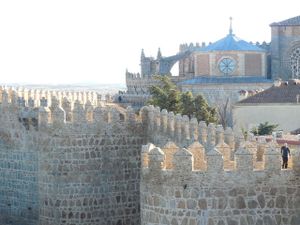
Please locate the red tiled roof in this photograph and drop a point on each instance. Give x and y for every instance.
(286, 92)
(282, 141)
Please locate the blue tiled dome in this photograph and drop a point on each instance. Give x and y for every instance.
(231, 43)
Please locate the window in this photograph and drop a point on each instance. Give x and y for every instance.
(227, 65)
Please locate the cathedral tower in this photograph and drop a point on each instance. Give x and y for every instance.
(285, 49)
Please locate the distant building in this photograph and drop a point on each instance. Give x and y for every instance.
(222, 69)
(285, 49)
(279, 104)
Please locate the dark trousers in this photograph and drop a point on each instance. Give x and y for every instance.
(284, 162)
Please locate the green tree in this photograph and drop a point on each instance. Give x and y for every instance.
(203, 111)
(187, 104)
(167, 96)
(264, 129)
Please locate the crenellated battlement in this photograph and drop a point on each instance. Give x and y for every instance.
(62, 106)
(32, 97)
(28, 116)
(194, 173)
(194, 161)
(138, 85)
(191, 46)
(72, 149)
(132, 75)
(163, 126)
(188, 184)
(81, 153)
(208, 144)
(264, 45)
(79, 112)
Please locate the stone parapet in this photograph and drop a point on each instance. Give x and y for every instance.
(57, 112)
(32, 97)
(186, 194)
(71, 161)
(214, 160)
(80, 171)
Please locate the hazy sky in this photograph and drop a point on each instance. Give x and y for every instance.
(71, 41)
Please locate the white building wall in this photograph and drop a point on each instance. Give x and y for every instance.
(287, 116)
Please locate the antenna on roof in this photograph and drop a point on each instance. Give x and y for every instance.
(230, 28)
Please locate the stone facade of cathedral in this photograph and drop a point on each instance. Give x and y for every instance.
(285, 49)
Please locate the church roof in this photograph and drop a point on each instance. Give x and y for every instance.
(225, 80)
(283, 92)
(295, 21)
(231, 43)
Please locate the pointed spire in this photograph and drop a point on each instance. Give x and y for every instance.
(142, 54)
(158, 54)
(230, 27)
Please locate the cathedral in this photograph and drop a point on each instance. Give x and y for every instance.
(228, 68)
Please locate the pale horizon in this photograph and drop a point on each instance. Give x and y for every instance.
(94, 42)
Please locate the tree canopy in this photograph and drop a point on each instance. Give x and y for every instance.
(264, 129)
(167, 96)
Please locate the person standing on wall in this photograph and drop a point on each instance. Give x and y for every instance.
(285, 153)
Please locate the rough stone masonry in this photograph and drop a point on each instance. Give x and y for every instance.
(67, 158)
(80, 169)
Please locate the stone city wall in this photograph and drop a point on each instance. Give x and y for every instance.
(204, 175)
(134, 100)
(91, 179)
(84, 169)
(163, 126)
(75, 163)
(138, 85)
(19, 201)
(191, 187)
